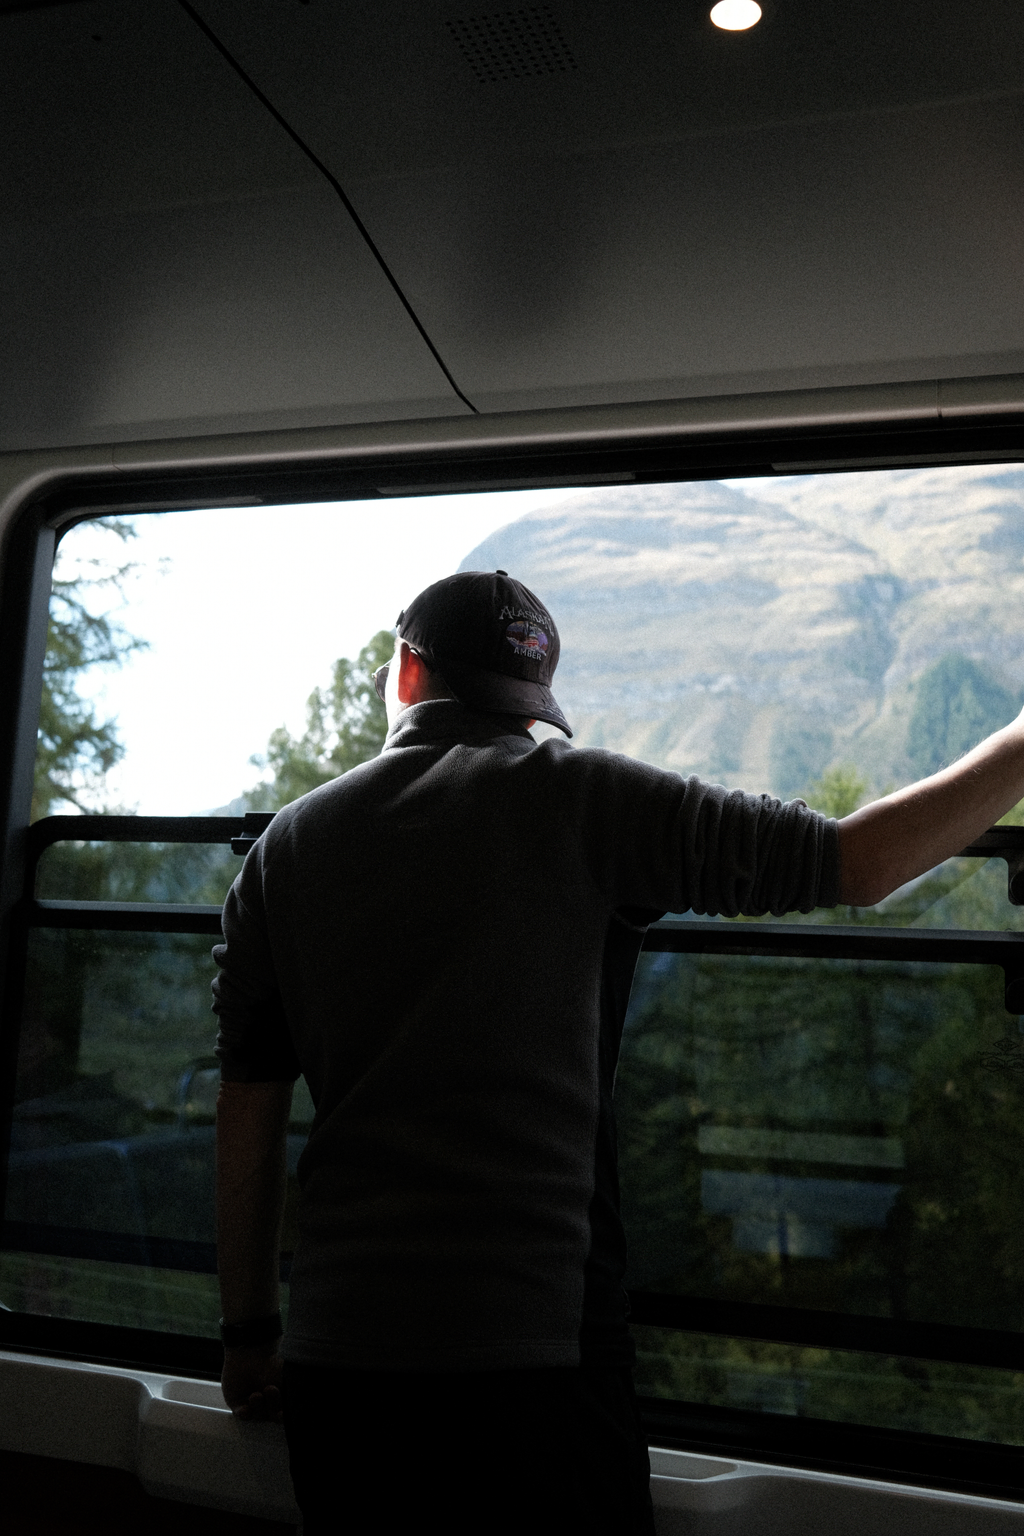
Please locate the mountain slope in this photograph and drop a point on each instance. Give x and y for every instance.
(757, 632)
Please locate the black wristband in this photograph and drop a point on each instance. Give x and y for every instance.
(254, 1330)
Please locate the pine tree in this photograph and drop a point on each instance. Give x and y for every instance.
(838, 792)
(345, 725)
(76, 749)
(958, 704)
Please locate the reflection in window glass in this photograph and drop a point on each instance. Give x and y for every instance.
(835, 1135)
(104, 1291)
(839, 1135)
(829, 1134)
(112, 1022)
(966, 1401)
(110, 1198)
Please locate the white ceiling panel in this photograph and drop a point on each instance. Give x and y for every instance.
(626, 204)
(170, 261)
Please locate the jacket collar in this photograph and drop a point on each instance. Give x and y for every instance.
(447, 720)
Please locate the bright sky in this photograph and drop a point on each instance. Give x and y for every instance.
(245, 609)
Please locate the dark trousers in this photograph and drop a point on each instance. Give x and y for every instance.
(550, 1452)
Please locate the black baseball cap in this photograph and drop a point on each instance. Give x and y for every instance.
(493, 642)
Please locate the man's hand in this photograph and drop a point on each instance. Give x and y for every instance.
(251, 1382)
(891, 841)
(252, 1125)
(252, 1122)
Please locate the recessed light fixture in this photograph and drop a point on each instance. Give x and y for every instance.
(736, 15)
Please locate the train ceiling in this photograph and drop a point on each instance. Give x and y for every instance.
(249, 214)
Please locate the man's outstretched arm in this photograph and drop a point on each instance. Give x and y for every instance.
(889, 842)
(252, 1125)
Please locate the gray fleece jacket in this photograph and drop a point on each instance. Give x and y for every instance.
(427, 939)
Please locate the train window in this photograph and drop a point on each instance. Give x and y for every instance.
(817, 1113)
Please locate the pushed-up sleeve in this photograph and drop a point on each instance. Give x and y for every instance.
(253, 1042)
(686, 845)
(753, 854)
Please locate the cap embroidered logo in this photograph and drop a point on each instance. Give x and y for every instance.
(526, 639)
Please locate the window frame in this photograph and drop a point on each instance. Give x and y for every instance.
(831, 432)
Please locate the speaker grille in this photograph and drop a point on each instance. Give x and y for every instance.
(512, 45)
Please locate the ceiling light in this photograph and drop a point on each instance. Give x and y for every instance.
(736, 15)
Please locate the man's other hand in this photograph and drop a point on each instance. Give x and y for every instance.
(891, 841)
(251, 1382)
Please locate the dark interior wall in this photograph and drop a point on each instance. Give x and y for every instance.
(46, 1497)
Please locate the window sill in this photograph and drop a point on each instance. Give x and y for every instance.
(697, 1494)
(175, 1435)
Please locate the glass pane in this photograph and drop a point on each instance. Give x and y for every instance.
(110, 1201)
(166, 872)
(99, 1291)
(929, 1397)
(834, 1135)
(962, 893)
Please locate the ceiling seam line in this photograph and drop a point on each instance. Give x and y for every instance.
(338, 188)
